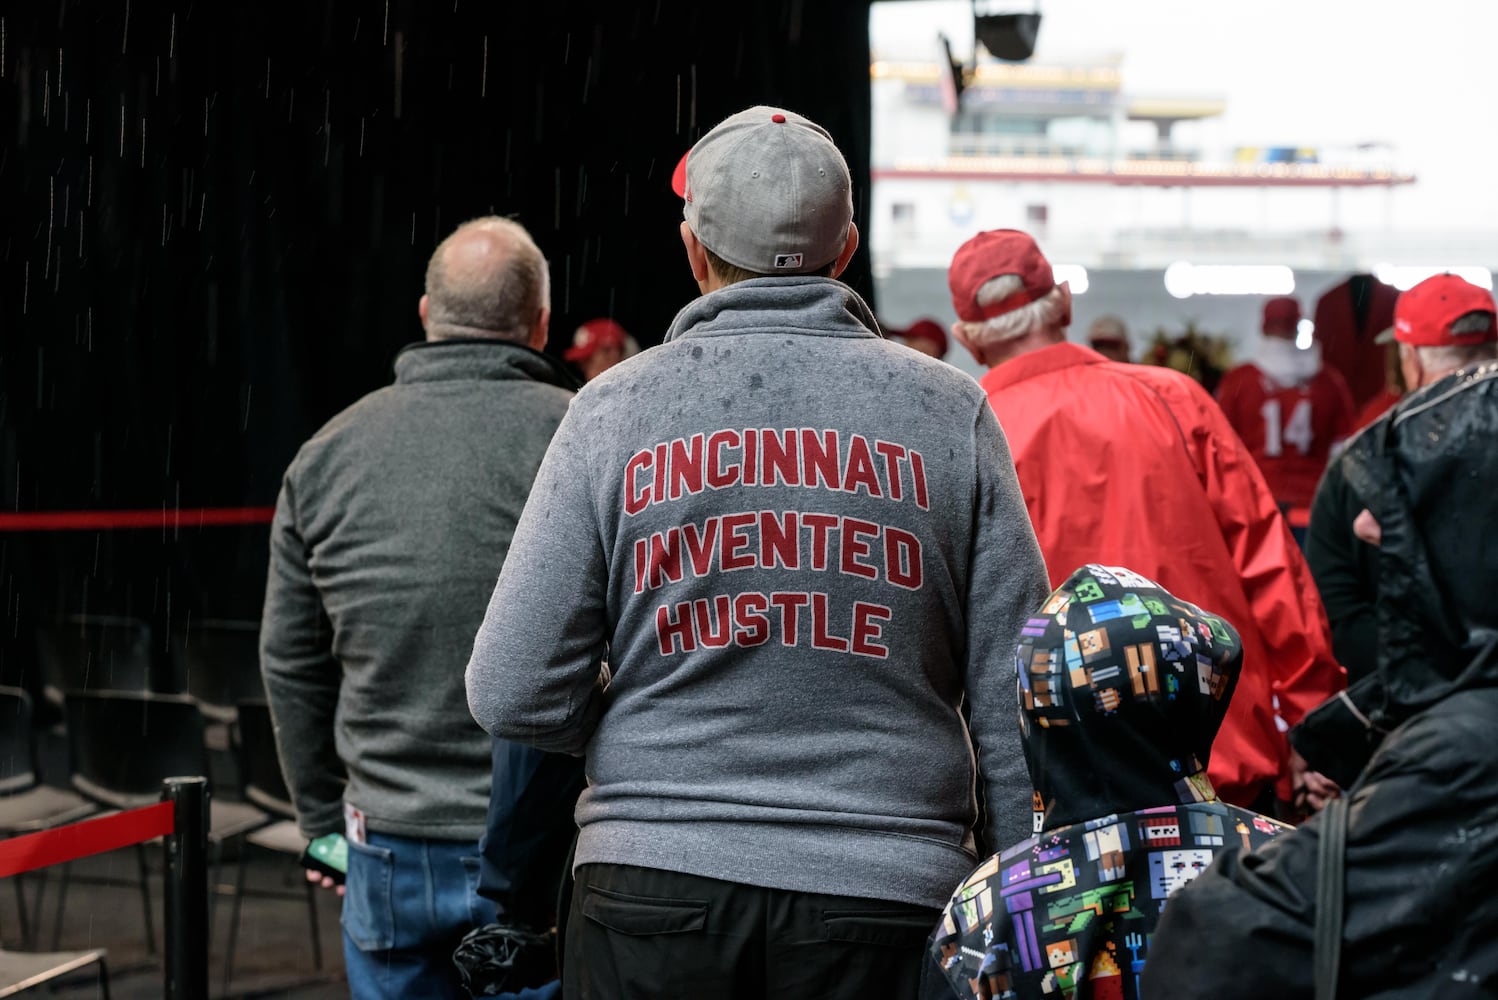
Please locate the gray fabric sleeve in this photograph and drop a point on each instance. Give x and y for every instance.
(301, 677)
(1006, 584)
(534, 673)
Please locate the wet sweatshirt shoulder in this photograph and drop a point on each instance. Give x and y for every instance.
(808, 547)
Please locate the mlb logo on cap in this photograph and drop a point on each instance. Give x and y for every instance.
(787, 260)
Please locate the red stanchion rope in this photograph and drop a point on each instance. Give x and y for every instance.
(105, 520)
(80, 840)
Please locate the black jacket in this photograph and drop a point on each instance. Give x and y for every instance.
(1422, 844)
(1346, 571)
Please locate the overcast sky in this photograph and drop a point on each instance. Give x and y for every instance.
(1293, 73)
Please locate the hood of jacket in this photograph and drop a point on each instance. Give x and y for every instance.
(808, 305)
(1122, 687)
(1429, 474)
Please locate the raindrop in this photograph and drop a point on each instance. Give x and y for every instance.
(163, 223)
(171, 42)
(361, 137)
(51, 215)
(244, 423)
(484, 72)
(202, 207)
(205, 117)
(59, 72)
(267, 78)
(385, 38)
(90, 201)
(413, 229)
(88, 117)
(46, 94)
(80, 234)
(143, 140)
(25, 286)
(2, 47)
(356, 28)
(125, 36)
(122, 130)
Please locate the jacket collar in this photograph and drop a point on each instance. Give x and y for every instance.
(801, 305)
(1037, 363)
(478, 359)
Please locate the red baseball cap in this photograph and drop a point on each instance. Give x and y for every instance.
(922, 329)
(1423, 316)
(990, 255)
(1281, 315)
(592, 335)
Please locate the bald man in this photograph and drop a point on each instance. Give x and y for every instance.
(390, 529)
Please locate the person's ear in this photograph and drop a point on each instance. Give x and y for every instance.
(421, 310)
(1065, 319)
(959, 334)
(848, 251)
(696, 255)
(539, 330)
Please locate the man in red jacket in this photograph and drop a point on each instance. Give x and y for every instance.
(1133, 465)
(1288, 407)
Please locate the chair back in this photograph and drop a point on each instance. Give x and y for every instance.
(17, 742)
(124, 744)
(259, 763)
(217, 662)
(97, 653)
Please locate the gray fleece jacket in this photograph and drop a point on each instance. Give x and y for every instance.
(799, 546)
(391, 525)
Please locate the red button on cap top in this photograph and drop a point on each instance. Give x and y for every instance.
(778, 119)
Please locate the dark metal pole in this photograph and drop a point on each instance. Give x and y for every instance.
(187, 890)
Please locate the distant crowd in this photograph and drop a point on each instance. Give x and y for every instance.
(783, 659)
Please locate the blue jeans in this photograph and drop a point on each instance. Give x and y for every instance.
(407, 905)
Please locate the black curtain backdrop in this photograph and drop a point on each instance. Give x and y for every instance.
(215, 219)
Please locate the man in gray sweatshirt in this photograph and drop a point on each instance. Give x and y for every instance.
(801, 550)
(390, 526)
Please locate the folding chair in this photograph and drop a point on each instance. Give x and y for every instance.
(217, 662)
(23, 970)
(123, 744)
(27, 805)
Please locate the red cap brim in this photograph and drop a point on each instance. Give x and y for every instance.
(679, 177)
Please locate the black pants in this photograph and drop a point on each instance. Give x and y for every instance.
(641, 932)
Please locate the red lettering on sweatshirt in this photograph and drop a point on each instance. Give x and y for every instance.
(671, 632)
(860, 468)
(734, 541)
(821, 526)
(719, 477)
(780, 458)
(713, 634)
(636, 499)
(789, 605)
(779, 540)
(918, 473)
(700, 544)
(821, 638)
(819, 459)
(753, 625)
(868, 629)
(686, 467)
(856, 547)
(902, 558)
(892, 453)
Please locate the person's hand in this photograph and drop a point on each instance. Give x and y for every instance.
(318, 878)
(1366, 527)
(1313, 790)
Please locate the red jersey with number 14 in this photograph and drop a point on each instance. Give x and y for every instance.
(1289, 430)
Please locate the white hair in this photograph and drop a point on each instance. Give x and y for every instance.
(1450, 357)
(1051, 310)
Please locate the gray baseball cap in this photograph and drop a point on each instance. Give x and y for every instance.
(768, 191)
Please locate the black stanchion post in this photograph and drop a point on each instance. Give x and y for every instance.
(187, 890)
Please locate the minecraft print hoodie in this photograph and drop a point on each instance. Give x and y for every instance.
(1122, 689)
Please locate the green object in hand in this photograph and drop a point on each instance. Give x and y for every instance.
(329, 855)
